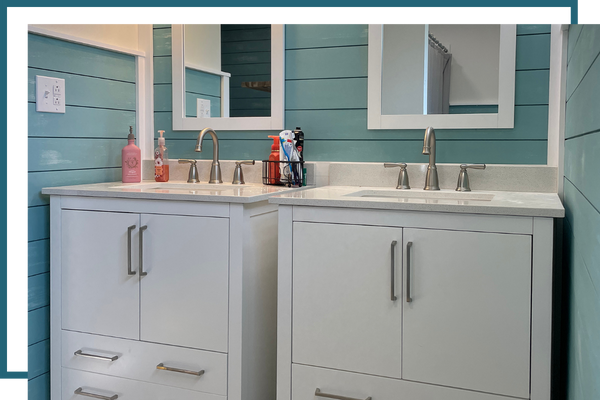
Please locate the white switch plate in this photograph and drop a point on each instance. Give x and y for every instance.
(49, 94)
(203, 108)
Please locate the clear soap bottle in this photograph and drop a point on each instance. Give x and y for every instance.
(161, 160)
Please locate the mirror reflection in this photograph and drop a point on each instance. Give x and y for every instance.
(227, 71)
(440, 69)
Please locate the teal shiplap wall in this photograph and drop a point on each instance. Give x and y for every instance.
(326, 95)
(81, 146)
(202, 85)
(582, 206)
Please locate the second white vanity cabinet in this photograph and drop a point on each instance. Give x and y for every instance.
(390, 304)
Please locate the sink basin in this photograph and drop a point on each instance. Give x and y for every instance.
(407, 195)
(176, 186)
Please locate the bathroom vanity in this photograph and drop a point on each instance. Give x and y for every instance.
(163, 291)
(412, 294)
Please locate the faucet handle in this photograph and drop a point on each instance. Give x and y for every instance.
(402, 177)
(193, 174)
(238, 175)
(463, 178)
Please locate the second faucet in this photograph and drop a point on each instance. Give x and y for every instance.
(215, 168)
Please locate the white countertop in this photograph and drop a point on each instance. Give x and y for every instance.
(174, 190)
(475, 202)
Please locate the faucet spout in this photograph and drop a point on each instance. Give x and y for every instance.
(431, 179)
(215, 169)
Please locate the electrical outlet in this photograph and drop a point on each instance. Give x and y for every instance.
(202, 108)
(50, 94)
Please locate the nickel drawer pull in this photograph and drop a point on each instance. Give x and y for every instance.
(142, 229)
(183, 371)
(94, 395)
(95, 356)
(318, 393)
(408, 246)
(129, 271)
(393, 274)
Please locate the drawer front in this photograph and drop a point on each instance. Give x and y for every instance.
(306, 380)
(139, 360)
(88, 383)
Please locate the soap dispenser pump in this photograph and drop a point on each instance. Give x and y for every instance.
(161, 160)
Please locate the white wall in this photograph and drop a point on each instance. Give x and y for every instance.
(125, 36)
(202, 46)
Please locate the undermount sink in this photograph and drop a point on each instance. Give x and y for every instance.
(176, 186)
(423, 195)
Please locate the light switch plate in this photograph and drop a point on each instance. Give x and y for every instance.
(203, 108)
(49, 94)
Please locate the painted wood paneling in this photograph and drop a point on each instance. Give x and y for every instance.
(531, 87)
(242, 35)
(46, 154)
(39, 359)
(191, 107)
(250, 104)
(238, 149)
(38, 292)
(202, 83)
(254, 57)
(582, 212)
(533, 52)
(38, 257)
(252, 45)
(38, 226)
(162, 41)
(532, 29)
(236, 81)
(162, 69)
(330, 62)
(38, 325)
(248, 69)
(246, 93)
(237, 27)
(163, 97)
(307, 36)
(326, 94)
(80, 122)
(39, 388)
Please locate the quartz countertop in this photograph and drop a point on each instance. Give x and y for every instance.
(174, 190)
(475, 202)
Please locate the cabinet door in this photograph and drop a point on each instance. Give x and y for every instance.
(343, 313)
(468, 323)
(98, 294)
(184, 296)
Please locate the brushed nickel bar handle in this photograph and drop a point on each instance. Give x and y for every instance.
(393, 270)
(318, 393)
(142, 229)
(408, 247)
(95, 356)
(129, 229)
(183, 371)
(80, 391)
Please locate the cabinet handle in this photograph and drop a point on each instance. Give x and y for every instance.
(183, 371)
(96, 396)
(408, 246)
(95, 356)
(129, 271)
(393, 274)
(142, 229)
(318, 393)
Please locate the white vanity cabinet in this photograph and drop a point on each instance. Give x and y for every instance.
(413, 305)
(162, 300)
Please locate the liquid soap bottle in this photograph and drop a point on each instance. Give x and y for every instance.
(161, 160)
(274, 173)
(131, 158)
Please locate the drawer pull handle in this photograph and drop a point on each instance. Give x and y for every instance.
(97, 357)
(183, 371)
(318, 393)
(142, 229)
(129, 271)
(96, 396)
(393, 274)
(408, 295)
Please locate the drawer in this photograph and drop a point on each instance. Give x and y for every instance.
(138, 360)
(306, 380)
(125, 389)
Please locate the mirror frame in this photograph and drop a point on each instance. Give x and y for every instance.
(274, 122)
(505, 118)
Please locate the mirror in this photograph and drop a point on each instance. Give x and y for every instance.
(228, 77)
(453, 76)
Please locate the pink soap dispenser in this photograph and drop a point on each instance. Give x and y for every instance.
(131, 157)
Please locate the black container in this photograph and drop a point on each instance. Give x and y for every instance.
(292, 173)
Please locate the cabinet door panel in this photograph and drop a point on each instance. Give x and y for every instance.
(98, 295)
(468, 323)
(343, 315)
(184, 296)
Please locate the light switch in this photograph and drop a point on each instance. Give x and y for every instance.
(202, 108)
(49, 94)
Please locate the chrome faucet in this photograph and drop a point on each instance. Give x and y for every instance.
(431, 179)
(215, 169)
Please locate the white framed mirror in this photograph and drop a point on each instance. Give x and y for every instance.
(203, 87)
(446, 81)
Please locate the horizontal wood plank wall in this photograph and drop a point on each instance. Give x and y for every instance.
(326, 95)
(582, 205)
(81, 146)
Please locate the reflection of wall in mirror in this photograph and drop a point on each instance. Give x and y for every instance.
(474, 76)
(246, 54)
